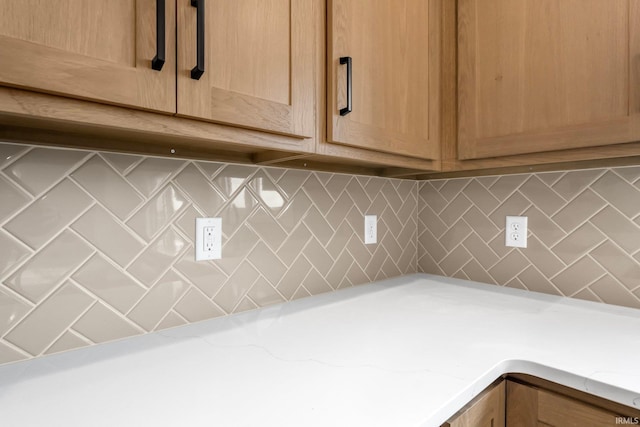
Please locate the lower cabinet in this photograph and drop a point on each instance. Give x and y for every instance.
(529, 406)
(487, 410)
(521, 404)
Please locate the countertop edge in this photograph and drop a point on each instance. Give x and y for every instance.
(548, 373)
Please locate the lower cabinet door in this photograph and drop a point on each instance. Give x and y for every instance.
(529, 406)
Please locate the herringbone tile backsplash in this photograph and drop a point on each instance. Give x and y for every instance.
(98, 246)
(583, 241)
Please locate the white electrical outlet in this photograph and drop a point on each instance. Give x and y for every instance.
(370, 229)
(516, 232)
(208, 238)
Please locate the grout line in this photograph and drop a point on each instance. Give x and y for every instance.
(607, 271)
(526, 177)
(51, 186)
(158, 235)
(562, 175)
(59, 284)
(613, 242)
(87, 342)
(246, 294)
(614, 207)
(122, 176)
(31, 201)
(17, 349)
(63, 228)
(16, 157)
(115, 219)
(535, 267)
(69, 328)
(15, 267)
(197, 164)
(16, 295)
(128, 169)
(182, 297)
(42, 301)
(162, 319)
(115, 311)
(575, 227)
(587, 286)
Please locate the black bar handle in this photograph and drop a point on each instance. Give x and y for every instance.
(347, 60)
(158, 61)
(198, 70)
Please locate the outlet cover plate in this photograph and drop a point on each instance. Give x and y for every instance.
(516, 230)
(370, 229)
(208, 239)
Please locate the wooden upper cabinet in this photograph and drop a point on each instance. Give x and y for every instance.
(548, 75)
(394, 46)
(95, 50)
(259, 59)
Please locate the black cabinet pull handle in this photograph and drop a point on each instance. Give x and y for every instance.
(158, 61)
(198, 70)
(347, 60)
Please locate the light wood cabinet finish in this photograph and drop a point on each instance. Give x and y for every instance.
(486, 411)
(257, 101)
(538, 402)
(395, 49)
(95, 50)
(531, 407)
(259, 65)
(538, 76)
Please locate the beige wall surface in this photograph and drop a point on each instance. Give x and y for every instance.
(583, 240)
(98, 246)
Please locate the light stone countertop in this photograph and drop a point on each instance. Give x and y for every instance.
(408, 352)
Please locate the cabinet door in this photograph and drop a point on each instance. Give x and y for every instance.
(531, 407)
(90, 49)
(258, 64)
(394, 46)
(548, 75)
(487, 411)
